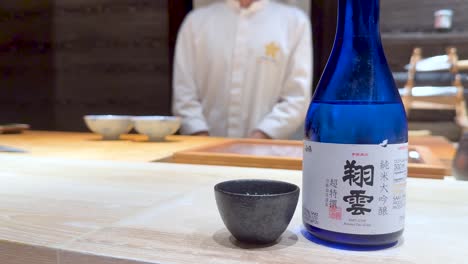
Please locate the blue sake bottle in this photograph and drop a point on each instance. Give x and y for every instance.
(356, 139)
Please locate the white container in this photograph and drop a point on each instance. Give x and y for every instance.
(443, 19)
(156, 127)
(109, 126)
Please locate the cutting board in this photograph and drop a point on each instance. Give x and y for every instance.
(288, 155)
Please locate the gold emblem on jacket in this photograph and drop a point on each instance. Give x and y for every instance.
(271, 50)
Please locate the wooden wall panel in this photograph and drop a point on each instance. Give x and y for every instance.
(26, 63)
(111, 58)
(62, 59)
(324, 18)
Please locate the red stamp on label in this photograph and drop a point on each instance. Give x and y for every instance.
(334, 213)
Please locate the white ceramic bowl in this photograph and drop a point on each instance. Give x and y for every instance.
(156, 127)
(109, 126)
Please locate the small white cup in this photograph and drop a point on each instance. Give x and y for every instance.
(156, 127)
(443, 19)
(109, 126)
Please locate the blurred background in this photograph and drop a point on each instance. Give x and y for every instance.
(62, 59)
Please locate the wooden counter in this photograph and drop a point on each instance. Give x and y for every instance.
(63, 211)
(134, 147)
(90, 146)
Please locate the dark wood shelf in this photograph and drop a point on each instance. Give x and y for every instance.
(425, 36)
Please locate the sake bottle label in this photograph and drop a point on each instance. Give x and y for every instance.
(355, 189)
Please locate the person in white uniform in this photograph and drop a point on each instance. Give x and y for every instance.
(243, 69)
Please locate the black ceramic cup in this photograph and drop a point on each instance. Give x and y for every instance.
(256, 211)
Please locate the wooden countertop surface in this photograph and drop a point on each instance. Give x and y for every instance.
(64, 211)
(135, 148)
(90, 146)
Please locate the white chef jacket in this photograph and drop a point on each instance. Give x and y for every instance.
(237, 70)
